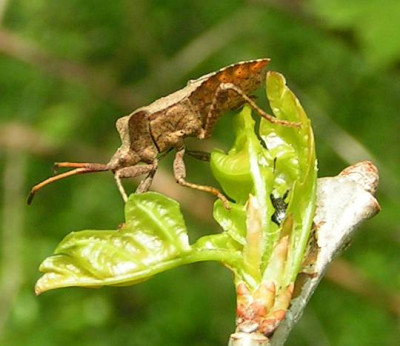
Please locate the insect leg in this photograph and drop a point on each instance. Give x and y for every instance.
(148, 180)
(199, 155)
(180, 175)
(213, 113)
(132, 172)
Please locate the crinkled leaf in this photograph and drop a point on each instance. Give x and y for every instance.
(233, 170)
(153, 239)
(295, 166)
(255, 165)
(232, 221)
(285, 168)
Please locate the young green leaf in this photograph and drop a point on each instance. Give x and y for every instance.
(280, 174)
(153, 239)
(295, 167)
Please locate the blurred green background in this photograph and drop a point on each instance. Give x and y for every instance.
(70, 68)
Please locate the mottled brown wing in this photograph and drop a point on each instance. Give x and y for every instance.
(246, 75)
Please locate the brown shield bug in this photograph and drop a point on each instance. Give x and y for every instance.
(150, 132)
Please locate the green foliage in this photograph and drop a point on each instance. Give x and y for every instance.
(154, 237)
(288, 165)
(374, 24)
(341, 59)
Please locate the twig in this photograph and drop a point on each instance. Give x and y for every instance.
(343, 203)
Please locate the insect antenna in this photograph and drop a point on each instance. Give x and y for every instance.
(79, 168)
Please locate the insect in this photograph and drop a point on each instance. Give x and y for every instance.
(280, 208)
(150, 132)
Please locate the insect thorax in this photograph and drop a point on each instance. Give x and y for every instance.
(170, 126)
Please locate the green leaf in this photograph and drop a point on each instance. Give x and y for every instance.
(153, 239)
(295, 169)
(234, 170)
(285, 168)
(232, 221)
(246, 169)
